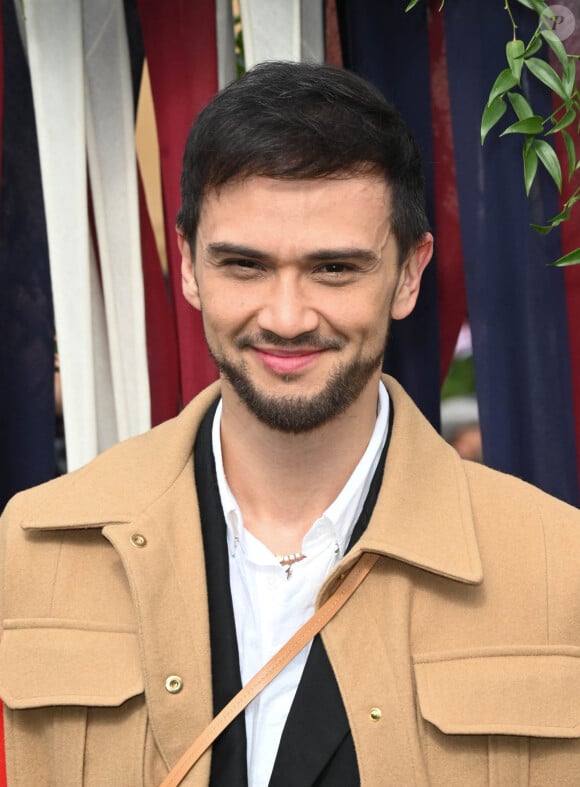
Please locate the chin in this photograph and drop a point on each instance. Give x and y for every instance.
(298, 413)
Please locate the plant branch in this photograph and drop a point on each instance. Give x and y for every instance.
(511, 16)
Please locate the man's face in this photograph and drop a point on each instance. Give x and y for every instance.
(297, 281)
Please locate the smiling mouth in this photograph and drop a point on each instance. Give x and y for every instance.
(286, 362)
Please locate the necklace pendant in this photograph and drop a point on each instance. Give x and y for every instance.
(287, 561)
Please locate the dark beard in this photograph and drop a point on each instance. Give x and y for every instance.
(296, 414)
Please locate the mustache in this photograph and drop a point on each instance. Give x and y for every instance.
(311, 339)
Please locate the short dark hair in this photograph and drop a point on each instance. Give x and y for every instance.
(298, 120)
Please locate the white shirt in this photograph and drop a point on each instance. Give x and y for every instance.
(270, 607)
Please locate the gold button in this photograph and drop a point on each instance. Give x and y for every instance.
(375, 714)
(138, 540)
(174, 684)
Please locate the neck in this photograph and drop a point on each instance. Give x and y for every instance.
(283, 482)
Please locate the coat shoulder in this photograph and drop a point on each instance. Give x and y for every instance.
(514, 517)
(494, 492)
(121, 481)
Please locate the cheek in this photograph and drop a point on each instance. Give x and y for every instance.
(367, 316)
(224, 316)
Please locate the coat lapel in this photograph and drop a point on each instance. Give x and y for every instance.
(228, 764)
(316, 729)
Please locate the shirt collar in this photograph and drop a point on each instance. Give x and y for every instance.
(337, 522)
(232, 513)
(344, 511)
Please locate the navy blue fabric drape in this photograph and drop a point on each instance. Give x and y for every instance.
(27, 421)
(391, 49)
(517, 304)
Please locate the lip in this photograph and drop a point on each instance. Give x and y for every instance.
(287, 361)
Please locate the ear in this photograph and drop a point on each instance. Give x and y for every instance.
(188, 280)
(407, 290)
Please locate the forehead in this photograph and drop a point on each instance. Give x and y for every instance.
(323, 211)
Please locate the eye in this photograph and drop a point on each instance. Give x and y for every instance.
(242, 267)
(336, 273)
(336, 268)
(242, 263)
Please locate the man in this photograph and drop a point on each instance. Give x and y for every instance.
(142, 591)
(460, 426)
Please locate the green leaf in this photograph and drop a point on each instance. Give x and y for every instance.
(546, 74)
(521, 107)
(573, 258)
(504, 82)
(515, 53)
(530, 166)
(555, 45)
(535, 5)
(564, 215)
(569, 77)
(532, 125)
(549, 159)
(535, 44)
(491, 115)
(411, 4)
(542, 229)
(564, 121)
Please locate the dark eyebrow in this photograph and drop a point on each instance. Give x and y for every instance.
(235, 248)
(321, 255)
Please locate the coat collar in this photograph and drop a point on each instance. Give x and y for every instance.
(124, 481)
(423, 515)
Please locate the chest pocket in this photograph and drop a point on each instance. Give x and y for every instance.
(66, 665)
(514, 704)
(73, 693)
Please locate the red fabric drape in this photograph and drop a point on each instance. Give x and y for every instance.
(451, 295)
(571, 240)
(162, 357)
(2, 756)
(332, 47)
(180, 46)
(570, 234)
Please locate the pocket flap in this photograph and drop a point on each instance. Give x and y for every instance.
(67, 665)
(519, 691)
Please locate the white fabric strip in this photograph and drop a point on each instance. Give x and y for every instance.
(271, 30)
(312, 27)
(107, 434)
(226, 50)
(54, 44)
(113, 174)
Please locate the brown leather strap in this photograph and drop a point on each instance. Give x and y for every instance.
(269, 671)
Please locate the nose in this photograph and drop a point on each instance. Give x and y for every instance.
(288, 310)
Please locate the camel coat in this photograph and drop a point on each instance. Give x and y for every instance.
(464, 640)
